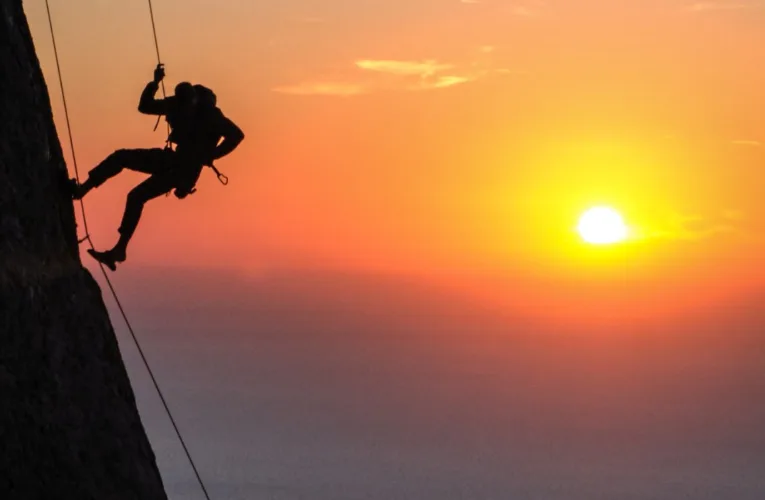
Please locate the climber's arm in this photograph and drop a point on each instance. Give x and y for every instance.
(232, 137)
(148, 104)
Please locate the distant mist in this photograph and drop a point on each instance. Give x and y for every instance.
(318, 385)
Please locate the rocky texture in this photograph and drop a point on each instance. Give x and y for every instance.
(69, 426)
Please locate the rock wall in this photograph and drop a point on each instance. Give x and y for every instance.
(69, 426)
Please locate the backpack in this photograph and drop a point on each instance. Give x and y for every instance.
(206, 97)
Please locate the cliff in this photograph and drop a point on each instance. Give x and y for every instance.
(69, 426)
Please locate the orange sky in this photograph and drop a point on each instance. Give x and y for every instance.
(458, 140)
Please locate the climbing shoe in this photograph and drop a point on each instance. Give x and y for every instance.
(108, 258)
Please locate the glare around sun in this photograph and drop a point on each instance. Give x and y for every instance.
(602, 226)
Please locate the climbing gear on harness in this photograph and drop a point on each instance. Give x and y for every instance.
(222, 178)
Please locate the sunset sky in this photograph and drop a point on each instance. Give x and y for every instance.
(386, 300)
(458, 140)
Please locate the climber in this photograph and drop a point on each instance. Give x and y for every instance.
(197, 128)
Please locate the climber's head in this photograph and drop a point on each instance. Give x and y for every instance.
(184, 93)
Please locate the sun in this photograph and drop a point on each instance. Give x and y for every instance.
(602, 226)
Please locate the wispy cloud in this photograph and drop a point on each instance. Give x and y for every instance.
(423, 69)
(720, 5)
(442, 82)
(472, 2)
(402, 75)
(429, 74)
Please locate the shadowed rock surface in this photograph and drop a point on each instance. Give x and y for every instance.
(69, 426)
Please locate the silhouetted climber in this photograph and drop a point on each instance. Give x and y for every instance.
(197, 128)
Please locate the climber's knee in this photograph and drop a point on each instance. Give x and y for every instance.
(137, 197)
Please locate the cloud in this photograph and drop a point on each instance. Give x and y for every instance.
(471, 2)
(319, 88)
(422, 69)
(403, 75)
(443, 82)
(429, 74)
(719, 5)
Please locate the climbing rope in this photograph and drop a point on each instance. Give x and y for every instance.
(90, 242)
(159, 62)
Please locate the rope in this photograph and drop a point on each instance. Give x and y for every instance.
(103, 270)
(66, 114)
(159, 62)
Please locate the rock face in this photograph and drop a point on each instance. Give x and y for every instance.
(69, 426)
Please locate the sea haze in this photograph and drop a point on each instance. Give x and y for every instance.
(298, 385)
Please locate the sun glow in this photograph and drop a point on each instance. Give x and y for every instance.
(602, 226)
